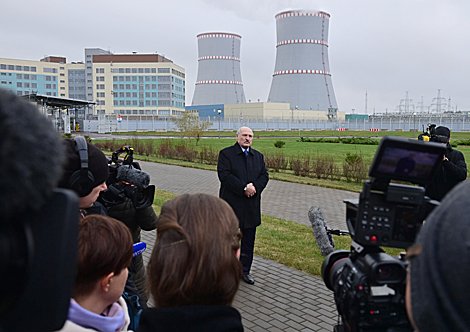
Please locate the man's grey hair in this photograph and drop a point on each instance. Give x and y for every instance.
(238, 131)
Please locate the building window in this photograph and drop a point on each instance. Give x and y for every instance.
(19, 76)
(50, 70)
(163, 70)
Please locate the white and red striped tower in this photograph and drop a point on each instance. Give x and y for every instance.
(302, 73)
(219, 79)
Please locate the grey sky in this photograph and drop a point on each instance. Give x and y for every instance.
(384, 47)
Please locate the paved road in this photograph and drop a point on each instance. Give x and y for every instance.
(282, 299)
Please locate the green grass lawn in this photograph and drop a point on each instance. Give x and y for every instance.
(283, 241)
(292, 147)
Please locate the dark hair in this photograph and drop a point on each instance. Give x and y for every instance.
(104, 246)
(194, 257)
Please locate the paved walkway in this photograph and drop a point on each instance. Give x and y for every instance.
(282, 299)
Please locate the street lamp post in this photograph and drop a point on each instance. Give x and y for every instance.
(219, 111)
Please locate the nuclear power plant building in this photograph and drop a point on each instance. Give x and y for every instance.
(219, 78)
(302, 74)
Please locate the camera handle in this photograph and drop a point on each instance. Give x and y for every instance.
(128, 159)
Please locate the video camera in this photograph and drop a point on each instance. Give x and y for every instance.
(127, 180)
(429, 135)
(368, 284)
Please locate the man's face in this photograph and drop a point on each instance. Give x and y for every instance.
(87, 201)
(245, 138)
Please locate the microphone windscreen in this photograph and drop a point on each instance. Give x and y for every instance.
(31, 157)
(134, 176)
(324, 240)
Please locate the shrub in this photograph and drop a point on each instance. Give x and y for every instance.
(354, 168)
(279, 144)
(208, 156)
(138, 146)
(324, 167)
(99, 145)
(300, 165)
(112, 145)
(275, 161)
(166, 149)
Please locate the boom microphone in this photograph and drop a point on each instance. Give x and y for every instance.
(31, 157)
(321, 232)
(132, 175)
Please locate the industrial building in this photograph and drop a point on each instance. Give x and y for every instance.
(301, 86)
(128, 84)
(261, 111)
(218, 76)
(302, 74)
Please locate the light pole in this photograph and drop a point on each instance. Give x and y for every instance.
(414, 124)
(219, 111)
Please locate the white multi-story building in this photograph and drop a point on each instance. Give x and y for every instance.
(131, 84)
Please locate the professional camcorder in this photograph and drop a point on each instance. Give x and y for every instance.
(127, 180)
(368, 284)
(429, 135)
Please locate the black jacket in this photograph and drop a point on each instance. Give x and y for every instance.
(452, 172)
(235, 171)
(201, 318)
(136, 220)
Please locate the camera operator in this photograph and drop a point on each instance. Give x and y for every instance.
(85, 171)
(438, 289)
(453, 170)
(129, 198)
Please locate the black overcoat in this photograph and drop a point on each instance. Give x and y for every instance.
(235, 171)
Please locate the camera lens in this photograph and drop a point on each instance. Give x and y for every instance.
(331, 265)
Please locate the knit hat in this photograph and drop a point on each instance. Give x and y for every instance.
(443, 131)
(97, 164)
(439, 275)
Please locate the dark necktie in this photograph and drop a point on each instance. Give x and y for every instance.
(246, 153)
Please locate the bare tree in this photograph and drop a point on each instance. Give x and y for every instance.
(191, 126)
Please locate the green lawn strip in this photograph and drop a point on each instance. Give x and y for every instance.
(283, 241)
(295, 134)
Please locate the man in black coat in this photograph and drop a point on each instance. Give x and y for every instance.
(243, 176)
(453, 169)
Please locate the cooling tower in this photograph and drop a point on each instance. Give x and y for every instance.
(302, 73)
(219, 80)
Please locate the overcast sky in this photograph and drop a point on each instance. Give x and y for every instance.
(384, 47)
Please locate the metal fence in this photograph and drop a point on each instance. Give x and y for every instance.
(132, 123)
